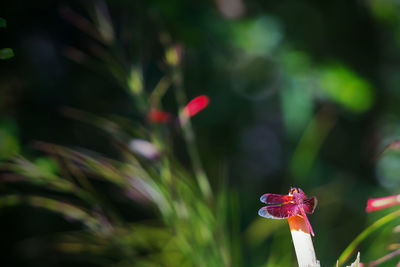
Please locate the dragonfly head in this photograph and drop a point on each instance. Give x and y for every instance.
(293, 191)
(298, 195)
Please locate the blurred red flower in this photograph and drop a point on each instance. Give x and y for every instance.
(195, 105)
(158, 116)
(382, 202)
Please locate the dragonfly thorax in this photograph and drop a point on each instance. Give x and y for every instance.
(298, 195)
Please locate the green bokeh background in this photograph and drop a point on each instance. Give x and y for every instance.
(303, 93)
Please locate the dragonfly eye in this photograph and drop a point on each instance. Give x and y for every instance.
(292, 191)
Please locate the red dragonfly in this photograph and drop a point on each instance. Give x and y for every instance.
(295, 203)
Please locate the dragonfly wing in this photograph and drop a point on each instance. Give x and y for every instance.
(279, 211)
(275, 198)
(310, 204)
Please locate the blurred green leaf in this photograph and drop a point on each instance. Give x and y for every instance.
(296, 63)
(297, 104)
(66, 209)
(6, 53)
(385, 10)
(9, 143)
(343, 86)
(3, 23)
(297, 95)
(135, 81)
(46, 166)
(30, 169)
(258, 36)
(43, 172)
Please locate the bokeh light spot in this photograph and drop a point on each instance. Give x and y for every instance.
(344, 87)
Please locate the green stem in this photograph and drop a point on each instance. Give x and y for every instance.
(189, 136)
(376, 225)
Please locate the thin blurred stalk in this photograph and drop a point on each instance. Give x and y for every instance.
(384, 258)
(166, 172)
(189, 135)
(159, 91)
(81, 23)
(364, 234)
(157, 137)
